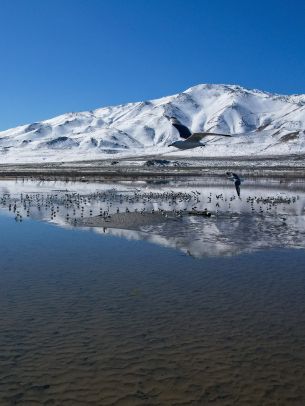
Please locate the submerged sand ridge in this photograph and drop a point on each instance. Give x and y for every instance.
(127, 221)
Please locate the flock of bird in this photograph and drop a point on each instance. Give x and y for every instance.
(70, 206)
(102, 203)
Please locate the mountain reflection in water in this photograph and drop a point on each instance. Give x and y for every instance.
(268, 215)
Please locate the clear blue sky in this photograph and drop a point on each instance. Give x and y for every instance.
(70, 55)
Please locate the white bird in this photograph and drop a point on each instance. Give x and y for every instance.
(190, 140)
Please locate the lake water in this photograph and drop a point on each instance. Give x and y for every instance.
(119, 294)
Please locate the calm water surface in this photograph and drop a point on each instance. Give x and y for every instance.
(185, 310)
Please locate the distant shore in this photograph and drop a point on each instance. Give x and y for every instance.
(154, 168)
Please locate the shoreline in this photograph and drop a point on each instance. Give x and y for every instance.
(126, 168)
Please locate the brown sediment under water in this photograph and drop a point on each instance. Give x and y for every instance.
(192, 311)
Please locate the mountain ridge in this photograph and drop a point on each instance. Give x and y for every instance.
(258, 121)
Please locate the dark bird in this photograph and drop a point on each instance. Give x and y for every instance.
(236, 179)
(190, 140)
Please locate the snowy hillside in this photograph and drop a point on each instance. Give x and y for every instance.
(261, 123)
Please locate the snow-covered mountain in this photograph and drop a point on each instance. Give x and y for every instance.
(261, 123)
